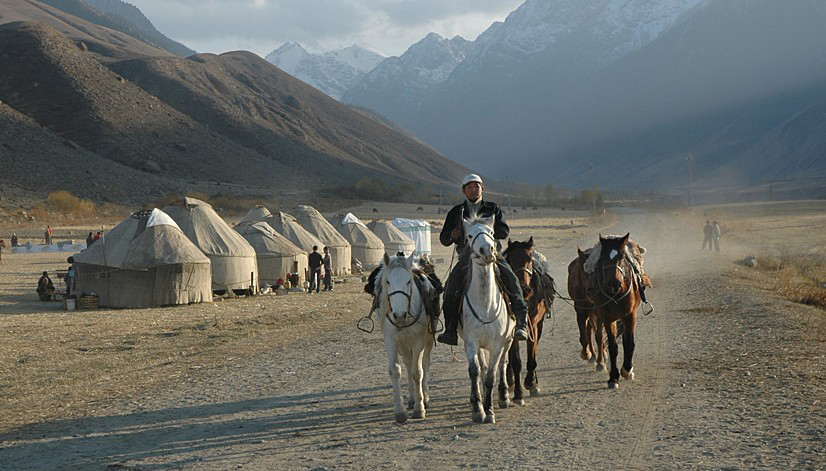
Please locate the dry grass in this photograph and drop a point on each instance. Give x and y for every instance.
(798, 278)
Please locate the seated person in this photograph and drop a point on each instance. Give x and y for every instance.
(45, 287)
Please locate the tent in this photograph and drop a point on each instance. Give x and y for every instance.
(418, 231)
(395, 240)
(277, 256)
(340, 250)
(367, 247)
(145, 261)
(256, 214)
(234, 265)
(289, 227)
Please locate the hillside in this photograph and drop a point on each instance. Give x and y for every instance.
(103, 41)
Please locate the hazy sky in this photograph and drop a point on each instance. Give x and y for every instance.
(386, 26)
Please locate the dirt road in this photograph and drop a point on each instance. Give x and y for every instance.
(727, 378)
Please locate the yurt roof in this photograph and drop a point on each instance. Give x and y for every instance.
(144, 240)
(289, 227)
(256, 214)
(208, 230)
(358, 234)
(265, 240)
(388, 233)
(313, 221)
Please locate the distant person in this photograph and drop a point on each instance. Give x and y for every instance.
(71, 275)
(2, 246)
(14, 241)
(707, 235)
(716, 234)
(328, 270)
(97, 237)
(316, 263)
(45, 287)
(90, 239)
(47, 236)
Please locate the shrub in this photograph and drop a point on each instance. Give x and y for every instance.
(68, 204)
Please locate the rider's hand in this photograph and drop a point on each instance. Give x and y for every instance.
(456, 234)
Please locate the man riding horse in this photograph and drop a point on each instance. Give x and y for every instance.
(453, 233)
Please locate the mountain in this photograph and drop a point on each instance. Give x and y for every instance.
(106, 43)
(398, 85)
(332, 72)
(619, 92)
(231, 123)
(136, 24)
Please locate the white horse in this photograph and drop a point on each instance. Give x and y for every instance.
(487, 329)
(407, 333)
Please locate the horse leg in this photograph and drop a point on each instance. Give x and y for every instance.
(628, 348)
(416, 377)
(531, 381)
(428, 347)
(395, 370)
(599, 342)
(613, 352)
(494, 359)
(504, 390)
(473, 370)
(584, 335)
(515, 370)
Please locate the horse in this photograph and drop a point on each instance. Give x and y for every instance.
(486, 328)
(520, 257)
(615, 292)
(408, 334)
(590, 326)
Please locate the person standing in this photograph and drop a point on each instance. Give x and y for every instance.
(90, 239)
(316, 262)
(45, 287)
(14, 241)
(716, 234)
(707, 235)
(453, 233)
(328, 270)
(47, 236)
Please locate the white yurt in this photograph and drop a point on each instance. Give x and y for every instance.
(340, 249)
(367, 247)
(394, 240)
(234, 265)
(257, 214)
(289, 227)
(145, 261)
(277, 256)
(417, 230)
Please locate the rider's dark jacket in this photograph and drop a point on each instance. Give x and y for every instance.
(454, 218)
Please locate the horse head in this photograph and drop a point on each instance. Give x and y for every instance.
(520, 257)
(613, 269)
(480, 240)
(397, 285)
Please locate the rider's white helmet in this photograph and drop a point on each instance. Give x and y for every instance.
(472, 178)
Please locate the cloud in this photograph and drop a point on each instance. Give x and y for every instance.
(388, 26)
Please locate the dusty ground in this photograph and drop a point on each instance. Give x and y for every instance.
(729, 376)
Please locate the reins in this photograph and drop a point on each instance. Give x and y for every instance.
(409, 297)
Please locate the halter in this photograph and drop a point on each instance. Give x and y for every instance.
(409, 296)
(476, 237)
(612, 299)
(485, 233)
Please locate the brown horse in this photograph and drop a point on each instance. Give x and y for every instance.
(590, 326)
(614, 289)
(538, 296)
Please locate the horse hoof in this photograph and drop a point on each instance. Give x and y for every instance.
(504, 404)
(419, 414)
(592, 360)
(401, 418)
(600, 367)
(629, 375)
(490, 419)
(479, 417)
(535, 391)
(613, 385)
(585, 355)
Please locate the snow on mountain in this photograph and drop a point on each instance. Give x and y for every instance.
(331, 72)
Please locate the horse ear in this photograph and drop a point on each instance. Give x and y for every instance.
(509, 242)
(625, 239)
(530, 242)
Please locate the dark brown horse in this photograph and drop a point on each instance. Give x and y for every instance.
(538, 296)
(614, 290)
(590, 327)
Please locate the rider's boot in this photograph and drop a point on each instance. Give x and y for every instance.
(521, 332)
(449, 336)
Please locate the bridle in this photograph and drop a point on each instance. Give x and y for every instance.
(599, 278)
(409, 296)
(481, 233)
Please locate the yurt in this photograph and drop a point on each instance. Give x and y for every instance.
(256, 214)
(145, 261)
(417, 230)
(395, 241)
(365, 246)
(277, 256)
(340, 250)
(289, 227)
(234, 265)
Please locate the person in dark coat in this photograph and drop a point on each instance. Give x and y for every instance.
(453, 233)
(45, 287)
(316, 261)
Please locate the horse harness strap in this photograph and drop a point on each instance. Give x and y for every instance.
(502, 292)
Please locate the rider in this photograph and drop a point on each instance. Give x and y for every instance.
(453, 233)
